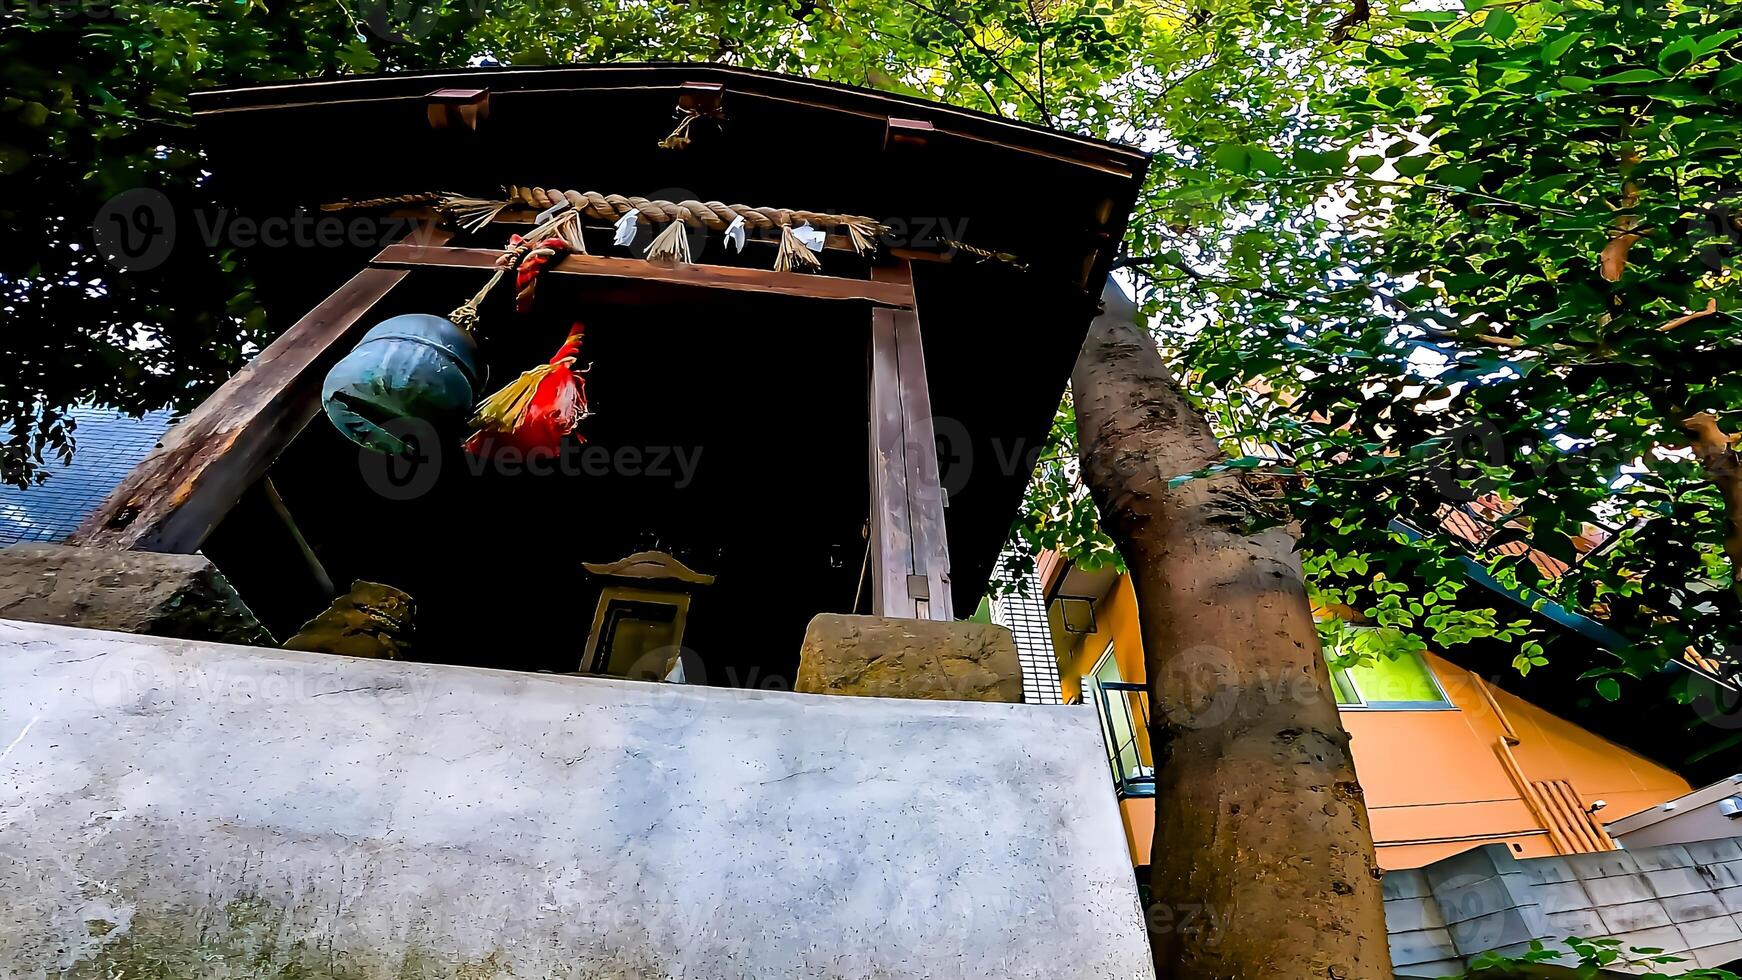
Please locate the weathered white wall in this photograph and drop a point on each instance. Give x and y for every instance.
(172, 810)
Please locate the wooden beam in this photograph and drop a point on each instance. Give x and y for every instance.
(910, 562)
(177, 494)
(715, 277)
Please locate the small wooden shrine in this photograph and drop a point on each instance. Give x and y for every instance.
(826, 398)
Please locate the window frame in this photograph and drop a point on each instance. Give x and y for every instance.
(1444, 703)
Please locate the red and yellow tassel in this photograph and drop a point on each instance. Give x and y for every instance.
(535, 412)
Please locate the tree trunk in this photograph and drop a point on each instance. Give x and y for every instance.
(1263, 862)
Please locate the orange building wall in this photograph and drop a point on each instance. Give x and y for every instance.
(1116, 620)
(1434, 782)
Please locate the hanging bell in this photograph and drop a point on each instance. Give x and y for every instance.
(415, 366)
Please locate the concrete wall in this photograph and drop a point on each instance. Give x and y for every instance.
(173, 809)
(1683, 899)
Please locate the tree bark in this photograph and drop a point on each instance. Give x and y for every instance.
(1263, 861)
(1723, 467)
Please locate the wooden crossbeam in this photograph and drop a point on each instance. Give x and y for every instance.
(893, 295)
(175, 496)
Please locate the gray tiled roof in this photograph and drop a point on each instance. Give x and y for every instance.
(108, 445)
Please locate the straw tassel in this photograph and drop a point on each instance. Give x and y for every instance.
(471, 213)
(793, 255)
(680, 137)
(863, 237)
(672, 244)
(570, 232)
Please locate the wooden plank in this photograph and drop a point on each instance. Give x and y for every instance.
(177, 494)
(909, 552)
(891, 524)
(722, 277)
(931, 553)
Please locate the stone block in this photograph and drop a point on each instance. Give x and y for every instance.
(1477, 862)
(1661, 857)
(1410, 883)
(876, 656)
(1677, 881)
(1579, 922)
(1602, 864)
(1562, 896)
(1436, 968)
(1715, 851)
(181, 596)
(1619, 890)
(1412, 915)
(1547, 870)
(1724, 874)
(1496, 930)
(1688, 908)
(1421, 946)
(1633, 917)
(1665, 938)
(1713, 931)
(1732, 899)
(1716, 957)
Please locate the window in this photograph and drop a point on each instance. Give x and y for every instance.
(1124, 724)
(1404, 682)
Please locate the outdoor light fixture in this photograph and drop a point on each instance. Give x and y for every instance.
(1730, 806)
(1077, 614)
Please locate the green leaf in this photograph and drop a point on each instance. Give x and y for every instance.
(1465, 175)
(1676, 56)
(1553, 50)
(1232, 157)
(1412, 166)
(1631, 77)
(1500, 24)
(1263, 160)
(1609, 688)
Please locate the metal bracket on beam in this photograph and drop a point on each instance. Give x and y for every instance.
(457, 108)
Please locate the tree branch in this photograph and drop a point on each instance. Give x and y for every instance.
(968, 33)
(1711, 446)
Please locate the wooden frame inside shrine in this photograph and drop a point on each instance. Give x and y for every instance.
(969, 315)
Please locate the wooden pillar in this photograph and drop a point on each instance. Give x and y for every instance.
(910, 562)
(177, 494)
